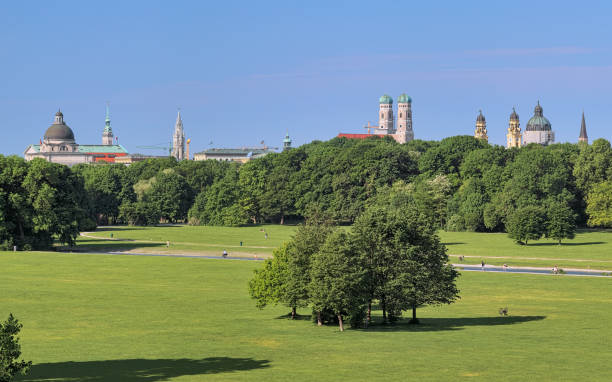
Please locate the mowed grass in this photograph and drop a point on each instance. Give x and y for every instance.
(589, 249)
(134, 318)
(189, 239)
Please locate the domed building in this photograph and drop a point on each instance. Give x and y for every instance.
(59, 146)
(538, 129)
(481, 127)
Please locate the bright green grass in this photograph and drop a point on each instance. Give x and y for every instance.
(590, 249)
(141, 319)
(190, 239)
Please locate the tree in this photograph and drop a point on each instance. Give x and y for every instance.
(406, 265)
(171, 195)
(560, 222)
(10, 351)
(268, 285)
(337, 278)
(599, 205)
(526, 223)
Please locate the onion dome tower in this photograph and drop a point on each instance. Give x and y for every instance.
(385, 122)
(514, 131)
(481, 127)
(583, 134)
(58, 137)
(107, 135)
(404, 119)
(538, 129)
(178, 139)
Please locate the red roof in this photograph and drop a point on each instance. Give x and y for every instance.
(356, 136)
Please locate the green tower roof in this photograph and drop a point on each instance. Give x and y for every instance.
(386, 99)
(404, 98)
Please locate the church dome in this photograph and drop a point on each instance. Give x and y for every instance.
(404, 98)
(59, 130)
(538, 122)
(386, 99)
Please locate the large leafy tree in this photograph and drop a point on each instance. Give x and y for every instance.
(560, 222)
(599, 205)
(526, 223)
(10, 351)
(337, 279)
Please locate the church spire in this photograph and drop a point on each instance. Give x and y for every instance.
(178, 138)
(583, 133)
(107, 135)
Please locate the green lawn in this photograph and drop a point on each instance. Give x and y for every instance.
(142, 319)
(590, 249)
(189, 239)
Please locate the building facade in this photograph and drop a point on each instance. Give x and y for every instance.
(481, 127)
(538, 129)
(241, 155)
(59, 145)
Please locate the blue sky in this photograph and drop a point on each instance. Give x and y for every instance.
(246, 71)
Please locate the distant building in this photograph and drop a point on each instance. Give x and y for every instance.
(513, 138)
(583, 134)
(538, 129)
(386, 122)
(287, 142)
(241, 155)
(178, 139)
(59, 145)
(481, 127)
(133, 158)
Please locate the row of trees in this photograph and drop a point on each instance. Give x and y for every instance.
(391, 256)
(470, 184)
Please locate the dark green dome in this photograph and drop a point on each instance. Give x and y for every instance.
(59, 130)
(538, 122)
(386, 99)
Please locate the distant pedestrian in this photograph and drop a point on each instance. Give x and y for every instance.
(505, 267)
(482, 264)
(224, 253)
(167, 244)
(266, 235)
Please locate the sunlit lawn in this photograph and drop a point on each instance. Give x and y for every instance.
(130, 318)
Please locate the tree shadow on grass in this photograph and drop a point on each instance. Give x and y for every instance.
(440, 324)
(93, 245)
(298, 317)
(457, 243)
(564, 244)
(138, 370)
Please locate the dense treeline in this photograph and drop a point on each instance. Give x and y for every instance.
(466, 183)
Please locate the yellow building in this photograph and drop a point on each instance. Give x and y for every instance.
(514, 131)
(481, 127)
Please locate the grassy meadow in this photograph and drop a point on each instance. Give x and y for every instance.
(590, 249)
(95, 317)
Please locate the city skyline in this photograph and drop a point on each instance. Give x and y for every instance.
(314, 72)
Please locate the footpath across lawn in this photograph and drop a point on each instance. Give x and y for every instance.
(127, 318)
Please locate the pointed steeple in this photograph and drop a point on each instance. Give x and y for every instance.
(107, 135)
(178, 138)
(583, 133)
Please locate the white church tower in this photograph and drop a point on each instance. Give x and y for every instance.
(385, 122)
(107, 135)
(178, 139)
(404, 131)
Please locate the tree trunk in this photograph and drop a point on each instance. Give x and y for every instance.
(340, 323)
(414, 318)
(282, 219)
(369, 316)
(293, 313)
(384, 309)
(319, 323)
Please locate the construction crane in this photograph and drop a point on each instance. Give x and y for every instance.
(166, 146)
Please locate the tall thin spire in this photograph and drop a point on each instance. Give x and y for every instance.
(107, 135)
(583, 133)
(178, 138)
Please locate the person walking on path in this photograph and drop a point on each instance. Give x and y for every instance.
(224, 253)
(482, 264)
